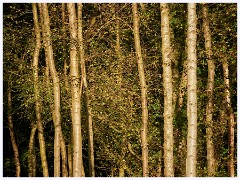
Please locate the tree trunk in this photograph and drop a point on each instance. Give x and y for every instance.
(62, 140)
(192, 93)
(56, 91)
(143, 90)
(75, 88)
(210, 86)
(36, 93)
(11, 129)
(31, 153)
(168, 92)
(230, 114)
(87, 100)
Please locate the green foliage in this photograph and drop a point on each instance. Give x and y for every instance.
(114, 88)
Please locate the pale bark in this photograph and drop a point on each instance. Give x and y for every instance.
(36, 93)
(168, 92)
(143, 91)
(192, 93)
(56, 91)
(85, 88)
(62, 140)
(75, 91)
(230, 113)
(210, 85)
(31, 153)
(11, 129)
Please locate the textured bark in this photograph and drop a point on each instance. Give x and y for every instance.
(168, 92)
(85, 88)
(210, 85)
(11, 130)
(56, 91)
(36, 93)
(230, 114)
(143, 90)
(75, 90)
(192, 92)
(62, 140)
(31, 153)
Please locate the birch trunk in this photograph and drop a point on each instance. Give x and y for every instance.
(143, 91)
(85, 88)
(75, 90)
(168, 92)
(36, 93)
(56, 91)
(210, 86)
(230, 114)
(192, 92)
(31, 153)
(11, 129)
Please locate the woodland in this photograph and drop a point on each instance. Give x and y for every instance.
(119, 90)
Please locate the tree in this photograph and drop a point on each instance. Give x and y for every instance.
(56, 91)
(210, 86)
(75, 89)
(11, 130)
(36, 93)
(230, 113)
(168, 92)
(143, 90)
(192, 92)
(87, 100)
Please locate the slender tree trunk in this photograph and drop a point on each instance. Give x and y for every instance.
(56, 92)
(210, 86)
(230, 114)
(11, 129)
(31, 153)
(87, 100)
(75, 88)
(168, 92)
(62, 140)
(143, 90)
(192, 93)
(36, 93)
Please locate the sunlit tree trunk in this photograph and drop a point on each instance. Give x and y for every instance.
(210, 86)
(230, 113)
(85, 88)
(31, 152)
(11, 129)
(36, 93)
(62, 140)
(192, 92)
(56, 91)
(143, 90)
(168, 92)
(75, 88)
